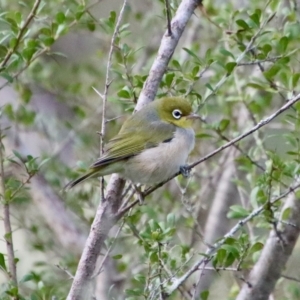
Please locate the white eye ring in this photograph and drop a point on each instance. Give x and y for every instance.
(176, 113)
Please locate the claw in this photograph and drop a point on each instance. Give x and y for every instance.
(185, 171)
(139, 195)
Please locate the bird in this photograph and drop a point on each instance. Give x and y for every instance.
(152, 145)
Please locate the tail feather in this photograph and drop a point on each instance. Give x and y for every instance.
(78, 180)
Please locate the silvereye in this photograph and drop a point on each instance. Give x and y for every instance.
(152, 145)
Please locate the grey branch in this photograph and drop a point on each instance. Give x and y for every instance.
(179, 281)
(277, 250)
(166, 50)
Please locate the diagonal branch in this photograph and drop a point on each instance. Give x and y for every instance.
(179, 281)
(263, 277)
(21, 33)
(166, 50)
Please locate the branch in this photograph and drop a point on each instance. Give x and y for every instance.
(103, 222)
(12, 269)
(263, 277)
(260, 124)
(179, 281)
(21, 33)
(166, 50)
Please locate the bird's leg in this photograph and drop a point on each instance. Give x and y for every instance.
(185, 171)
(139, 194)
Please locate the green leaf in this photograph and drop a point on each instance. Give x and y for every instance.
(237, 211)
(118, 256)
(209, 87)
(7, 76)
(112, 17)
(267, 48)
(2, 262)
(3, 51)
(226, 53)
(256, 247)
(124, 94)
(204, 295)
(18, 155)
(242, 24)
(48, 41)
(231, 249)
(221, 254)
(176, 64)
(286, 214)
(191, 53)
(27, 277)
(230, 67)
(229, 260)
(223, 125)
(169, 79)
(91, 25)
(283, 43)
(60, 17)
(255, 18)
(269, 74)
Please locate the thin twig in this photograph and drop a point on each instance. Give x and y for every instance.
(231, 233)
(109, 249)
(12, 269)
(21, 33)
(168, 13)
(107, 85)
(239, 58)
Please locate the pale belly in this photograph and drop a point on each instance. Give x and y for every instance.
(160, 163)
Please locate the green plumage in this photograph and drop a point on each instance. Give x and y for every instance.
(145, 129)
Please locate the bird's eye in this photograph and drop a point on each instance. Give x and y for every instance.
(177, 114)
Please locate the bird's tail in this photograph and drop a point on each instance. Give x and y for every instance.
(80, 179)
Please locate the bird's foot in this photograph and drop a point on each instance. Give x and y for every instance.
(139, 195)
(185, 171)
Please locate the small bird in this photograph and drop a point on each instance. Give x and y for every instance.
(152, 145)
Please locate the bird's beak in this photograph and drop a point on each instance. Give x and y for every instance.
(193, 116)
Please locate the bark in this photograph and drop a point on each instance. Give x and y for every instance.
(275, 254)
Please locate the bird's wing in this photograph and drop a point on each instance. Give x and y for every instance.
(131, 141)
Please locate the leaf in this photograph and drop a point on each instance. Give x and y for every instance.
(27, 277)
(231, 249)
(256, 247)
(191, 53)
(60, 17)
(204, 295)
(255, 18)
(18, 155)
(223, 125)
(91, 25)
(118, 256)
(226, 53)
(269, 74)
(209, 87)
(230, 67)
(283, 43)
(286, 214)
(237, 212)
(295, 79)
(2, 262)
(242, 24)
(124, 94)
(169, 79)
